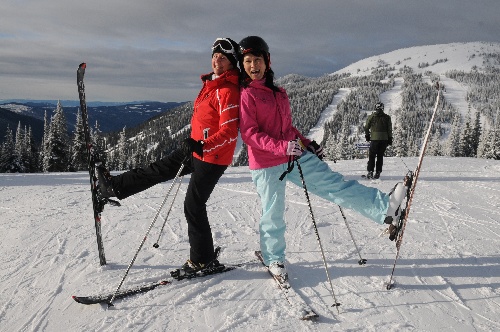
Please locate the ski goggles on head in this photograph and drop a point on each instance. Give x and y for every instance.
(224, 45)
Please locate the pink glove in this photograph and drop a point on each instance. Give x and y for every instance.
(293, 149)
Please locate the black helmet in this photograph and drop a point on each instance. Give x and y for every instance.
(253, 44)
(379, 106)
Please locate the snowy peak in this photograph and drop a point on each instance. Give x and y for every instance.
(436, 58)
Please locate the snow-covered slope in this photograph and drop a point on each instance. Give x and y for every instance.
(440, 58)
(448, 275)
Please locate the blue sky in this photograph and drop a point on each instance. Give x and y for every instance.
(157, 49)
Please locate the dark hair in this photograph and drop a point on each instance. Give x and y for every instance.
(268, 75)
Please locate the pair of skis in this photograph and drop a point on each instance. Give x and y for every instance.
(300, 308)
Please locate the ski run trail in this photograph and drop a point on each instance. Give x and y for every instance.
(447, 276)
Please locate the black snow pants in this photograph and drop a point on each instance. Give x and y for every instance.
(204, 177)
(377, 150)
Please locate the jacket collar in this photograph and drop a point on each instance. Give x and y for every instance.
(231, 75)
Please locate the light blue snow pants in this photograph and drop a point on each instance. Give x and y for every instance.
(320, 180)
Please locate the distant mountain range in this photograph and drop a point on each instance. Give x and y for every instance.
(110, 116)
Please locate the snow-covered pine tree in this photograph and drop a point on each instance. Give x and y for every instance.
(476, 132)
(122, 151)
(453, 144)
(57, 157)
(31, 151)
(19, 149)
(466, 144)
(42, 158)
(434, 148)
(79, 146)
(8, 157)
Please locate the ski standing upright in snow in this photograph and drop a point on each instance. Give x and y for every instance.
(301, 309)
(412, 178)
(93, 159)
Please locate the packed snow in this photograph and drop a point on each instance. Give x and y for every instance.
(447, 276)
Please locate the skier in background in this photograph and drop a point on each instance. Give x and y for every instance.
(378, 131)
(266, 127)
(206, 154)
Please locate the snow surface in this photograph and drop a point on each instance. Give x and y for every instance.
(447, 277)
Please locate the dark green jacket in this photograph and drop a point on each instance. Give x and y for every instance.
(379, 126)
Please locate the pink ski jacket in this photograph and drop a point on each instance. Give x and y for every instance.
(266, 125)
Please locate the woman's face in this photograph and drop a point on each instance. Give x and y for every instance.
(220, 64)
(254, 66)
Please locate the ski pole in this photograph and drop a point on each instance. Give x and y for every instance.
(361, 261)
(336, 304)
(156, 245)
(110, 303)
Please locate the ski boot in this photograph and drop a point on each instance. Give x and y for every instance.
(191, 269)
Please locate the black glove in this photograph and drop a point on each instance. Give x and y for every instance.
(190, 145)
(367, 137)
(316, 149)
(389, 141)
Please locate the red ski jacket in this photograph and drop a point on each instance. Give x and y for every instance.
(216, 117)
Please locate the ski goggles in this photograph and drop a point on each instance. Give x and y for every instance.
(224, 45)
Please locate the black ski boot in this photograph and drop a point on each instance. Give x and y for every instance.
(191, 269)
(369, 175)
(377, 175)
(105, 185)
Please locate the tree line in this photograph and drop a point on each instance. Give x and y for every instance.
(477, 134)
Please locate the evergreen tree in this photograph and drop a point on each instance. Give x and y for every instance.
(344, 147)
(43, 159)
(99, 143)
(329, 148)
(434, 148)
(484, 144)
(32, 152)
(79, 147)
(476, 133)
(454, 139)
(19, 149)
(122, 157)
(139, 156)
(466, 144)
(494, 140)
(57, 157)
(8, 157)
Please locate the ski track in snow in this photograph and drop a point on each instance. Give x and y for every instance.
(447, 277)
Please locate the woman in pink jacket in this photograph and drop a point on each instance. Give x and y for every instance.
(266, 127)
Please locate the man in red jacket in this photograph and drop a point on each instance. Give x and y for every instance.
(206, 154)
